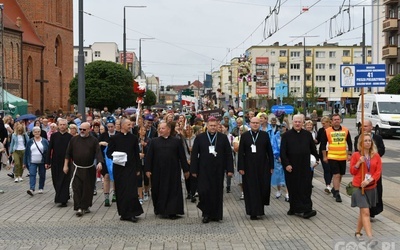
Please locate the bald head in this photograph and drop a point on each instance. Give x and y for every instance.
(367, 126)
(255, 124)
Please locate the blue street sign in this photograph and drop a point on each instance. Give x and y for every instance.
(243, 97)
(287, 108)
(362, 75)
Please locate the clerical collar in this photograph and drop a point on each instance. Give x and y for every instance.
(111, 134)
(165, 137)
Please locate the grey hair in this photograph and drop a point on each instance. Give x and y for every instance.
(36, 128)
(299, 116)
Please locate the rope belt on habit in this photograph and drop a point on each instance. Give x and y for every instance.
(73, 176)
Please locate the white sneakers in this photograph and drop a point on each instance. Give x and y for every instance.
(145, 196)
(278, 194)
(40, 191)
(328, 189)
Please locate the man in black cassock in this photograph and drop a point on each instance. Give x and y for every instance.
(125, 177)
(164, 160)
(55, 160)
(83, 150)
(381, 151)
(255, 164)
(211, 158)
(297, 145)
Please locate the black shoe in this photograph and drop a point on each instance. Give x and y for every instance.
(309, 214)
(10, 175)
(131, 219)
(188, 197)
(290, 212)
(27, 175)
(333, 193)
(193, 200)
(79, 213)
(206, 219)
(173, 216)
(95, 192)
(215, 219)
(228, 190)
(338, 198)
(62, 205)
(253, 217)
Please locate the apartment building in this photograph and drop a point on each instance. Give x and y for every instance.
(390, 29)
(106, 51)
(276, 64)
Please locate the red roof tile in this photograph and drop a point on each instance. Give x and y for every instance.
(12, 11)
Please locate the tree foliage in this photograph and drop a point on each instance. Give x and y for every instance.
(150, 98)
(106, 84)
(393, 87)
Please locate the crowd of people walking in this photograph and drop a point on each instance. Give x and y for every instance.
(150, 154)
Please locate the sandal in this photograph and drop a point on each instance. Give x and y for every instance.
(358, 236)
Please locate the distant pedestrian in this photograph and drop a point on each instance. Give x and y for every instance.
(83, 150)
(34, 159)
(126, 173)
(17, 148)
(164, 162)
(211, 159)
(366, 168)
(342, 113)
(55, 161)
(296, 147)
(255, 164)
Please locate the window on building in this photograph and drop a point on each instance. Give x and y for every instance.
(392, 40)
(272, 52)
(357, 89)
(369, 52)
(294, 78)
(345, 89)
(295, 54)
(357, 53)
(332, 89)
(295, 66)
(97, 54)
(282, 53)
(332, 54)
(308, 53)
(392, 12)
(321, 90)
(332, 66)
(308, 65)
(332, 78)
(282, 65)
(320, 66)
(57, 51)
(369, 89)
(308, 78)
(85, 52)
(346, 52)
(320, 54)
(391, 69)
(320, 78)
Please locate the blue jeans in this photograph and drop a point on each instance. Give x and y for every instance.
(33, 168)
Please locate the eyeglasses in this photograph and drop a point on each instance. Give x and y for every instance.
(83, 129)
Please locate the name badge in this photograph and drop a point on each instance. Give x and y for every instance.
(211, 149)
(368, 176)
(253, 148)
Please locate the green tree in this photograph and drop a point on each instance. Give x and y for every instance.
(150, 98)
(393, 87)
(107, 84)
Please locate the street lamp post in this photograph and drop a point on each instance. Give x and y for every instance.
(273, 77)
(124, 35)
(140, 53)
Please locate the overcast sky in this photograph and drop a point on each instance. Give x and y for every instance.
(191, 37)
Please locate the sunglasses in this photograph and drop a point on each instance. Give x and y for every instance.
(83, 129)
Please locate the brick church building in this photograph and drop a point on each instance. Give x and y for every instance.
(38, 52)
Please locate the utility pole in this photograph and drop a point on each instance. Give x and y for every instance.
(304, 74)
(124, 34)
(81, 66)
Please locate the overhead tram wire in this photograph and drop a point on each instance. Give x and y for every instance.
(169, 43)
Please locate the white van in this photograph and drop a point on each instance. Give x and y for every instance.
(383, 110)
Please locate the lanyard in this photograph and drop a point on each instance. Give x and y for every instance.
(368, 163)
(148, 134)
(254, 140)
(209, 138)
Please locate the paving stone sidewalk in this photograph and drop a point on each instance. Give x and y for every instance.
(37, 223)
